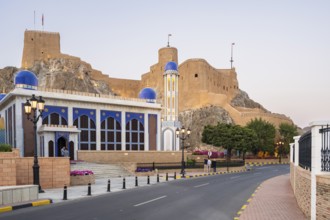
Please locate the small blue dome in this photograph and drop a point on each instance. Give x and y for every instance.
(147, 93)
(26, 79)
(171, 66)
(2, 96)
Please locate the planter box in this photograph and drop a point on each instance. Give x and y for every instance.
(82, 180)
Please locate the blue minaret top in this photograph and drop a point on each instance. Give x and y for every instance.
(26, 79)
(171, 67)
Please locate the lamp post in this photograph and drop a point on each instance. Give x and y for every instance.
(183, 135)
(35, 105)
(280, 146)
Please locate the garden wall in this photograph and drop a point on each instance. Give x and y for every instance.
(54, 171)
(322, 197)
(131, 156)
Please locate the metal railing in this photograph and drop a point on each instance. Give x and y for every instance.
(325, 149)
(305, 150)
(293, 153)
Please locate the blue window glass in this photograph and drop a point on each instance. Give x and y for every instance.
(110, 134)
(134, 135)
(87, 136)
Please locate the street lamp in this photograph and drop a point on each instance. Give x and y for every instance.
(183, 135)
(280, 146)
(35, 104)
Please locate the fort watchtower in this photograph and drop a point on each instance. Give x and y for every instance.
(40, 45)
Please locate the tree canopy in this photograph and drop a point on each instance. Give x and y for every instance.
(287, 132)
(229, 137)
(265, 132)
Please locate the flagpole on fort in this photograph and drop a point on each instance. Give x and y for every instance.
(168, 40)
(231, 60)
(42, 21)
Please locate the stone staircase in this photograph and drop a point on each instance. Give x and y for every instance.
(101, 170)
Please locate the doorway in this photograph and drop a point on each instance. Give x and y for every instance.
(51, 149)
(61, 142)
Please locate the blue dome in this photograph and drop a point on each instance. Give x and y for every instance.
(2, 96)
(26, 79)
(147, 93)
(171, 66)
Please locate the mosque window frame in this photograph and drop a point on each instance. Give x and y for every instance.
(108, 131)
(135, 140)
(49, 118)
(89, 130)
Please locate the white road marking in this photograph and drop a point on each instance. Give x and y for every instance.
(234, 177)
(205, 184)
(256, 173)
(260, 168)
(152, 200)
(275, 170)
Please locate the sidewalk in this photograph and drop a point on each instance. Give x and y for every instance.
(274, 200)
(99, 188)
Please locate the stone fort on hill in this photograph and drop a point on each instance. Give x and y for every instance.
(211, 86)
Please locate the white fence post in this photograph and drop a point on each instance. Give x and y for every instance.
(296, 151)
(315, 161)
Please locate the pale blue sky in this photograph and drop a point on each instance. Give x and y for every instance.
(282, 51)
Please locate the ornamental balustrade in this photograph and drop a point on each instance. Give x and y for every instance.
(305, 150)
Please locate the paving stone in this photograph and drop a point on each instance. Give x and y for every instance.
(274, 200)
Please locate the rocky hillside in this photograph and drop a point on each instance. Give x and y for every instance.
(66, 74)
(242, 99)
(198, 118)
(7, 78)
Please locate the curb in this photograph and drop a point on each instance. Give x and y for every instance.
(210, 174)
(265, 163)
(239, 213)
(25, 205)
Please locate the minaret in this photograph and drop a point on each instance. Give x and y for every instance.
(171, 107)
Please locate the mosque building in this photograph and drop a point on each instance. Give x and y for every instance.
(88, 121)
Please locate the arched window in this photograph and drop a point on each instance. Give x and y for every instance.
(110, 134)
(87, 136)
(54, 119)
(134, 135)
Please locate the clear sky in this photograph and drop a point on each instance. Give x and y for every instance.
(281, 52)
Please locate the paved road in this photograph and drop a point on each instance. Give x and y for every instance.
(211, 197)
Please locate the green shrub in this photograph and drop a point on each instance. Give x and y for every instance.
(191, 162)
(5, 148)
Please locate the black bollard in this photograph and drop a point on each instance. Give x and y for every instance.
(136, 181)
(65, 195)
(175, 175)
(124, 183)
(148, 180)
(89, 191)
(108, 186)
(166, 176)
(157, 178)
